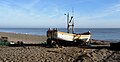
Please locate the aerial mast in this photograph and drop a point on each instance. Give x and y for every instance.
(70, 23)
(73, 21)
(68, 26)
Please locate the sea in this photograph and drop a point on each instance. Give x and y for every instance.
(108, 34)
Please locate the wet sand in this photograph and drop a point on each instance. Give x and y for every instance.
(44, 54)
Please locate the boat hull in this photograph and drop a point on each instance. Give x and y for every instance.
(72, 37)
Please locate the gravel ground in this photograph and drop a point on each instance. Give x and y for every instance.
(39, 54)
(64, 54)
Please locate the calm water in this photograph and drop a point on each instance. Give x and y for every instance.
(112, 34)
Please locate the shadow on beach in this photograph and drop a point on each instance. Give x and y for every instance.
(115, 48)
(24, 45)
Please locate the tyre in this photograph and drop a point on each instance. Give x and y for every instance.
(20, 43)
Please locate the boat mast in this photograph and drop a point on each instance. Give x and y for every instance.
(73, 26)
(73, 21)
(68, 26)
(70, 23)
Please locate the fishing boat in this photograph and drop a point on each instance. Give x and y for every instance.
(55, 36)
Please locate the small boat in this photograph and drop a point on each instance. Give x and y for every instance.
(55, 36)
(115, 46)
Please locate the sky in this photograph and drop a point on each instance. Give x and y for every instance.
(50, 13)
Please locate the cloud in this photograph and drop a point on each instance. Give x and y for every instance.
(115, 9)
(106, 18)
(14, 13)
(31, 5)
(20, 16)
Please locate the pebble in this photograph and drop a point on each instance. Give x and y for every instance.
(41, 54)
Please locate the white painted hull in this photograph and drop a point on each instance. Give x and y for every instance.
(72, 37)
